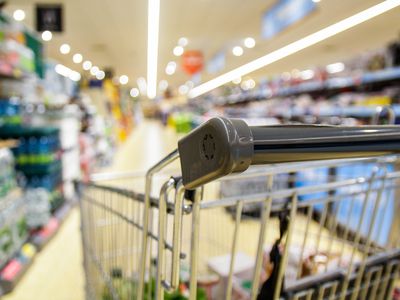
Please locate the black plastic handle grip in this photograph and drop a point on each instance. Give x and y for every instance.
(221, 146)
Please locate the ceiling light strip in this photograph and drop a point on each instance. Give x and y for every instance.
(296, 46)
(152, 46)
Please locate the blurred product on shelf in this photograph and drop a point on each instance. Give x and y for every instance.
(95, 138)
(14, 230)
(10, 112)
(38, 158)
(13, 227)
(7, 172)
(37, 207)
(15, 58)
(182, 121)
(121, 109)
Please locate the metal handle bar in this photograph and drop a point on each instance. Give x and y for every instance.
(222, 146)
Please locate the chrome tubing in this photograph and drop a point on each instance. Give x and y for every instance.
(149, 176)
(162, 217)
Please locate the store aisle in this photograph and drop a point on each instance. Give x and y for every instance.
(57, 273)
(149, 143)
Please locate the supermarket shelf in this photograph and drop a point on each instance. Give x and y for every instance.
(44, 235)
(330, 84)
(13, 75)
(56, 115)
(16, 268)
(40, 169)
(331, 111)
(6, 201)
(14, 131)
(350, 111)
(371, 114)
(342, 82)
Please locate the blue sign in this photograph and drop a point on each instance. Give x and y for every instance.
(283, 14)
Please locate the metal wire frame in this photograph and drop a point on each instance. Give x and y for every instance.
(330, 230)
(357, 279)
(107, 210)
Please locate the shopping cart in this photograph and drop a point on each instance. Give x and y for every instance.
(327, 226)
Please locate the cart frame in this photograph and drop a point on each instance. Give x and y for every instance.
(244, 146)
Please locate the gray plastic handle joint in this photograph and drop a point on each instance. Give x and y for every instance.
(217, 148)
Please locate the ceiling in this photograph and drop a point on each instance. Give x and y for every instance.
(113, 33)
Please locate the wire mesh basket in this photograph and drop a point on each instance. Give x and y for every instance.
(323, 221)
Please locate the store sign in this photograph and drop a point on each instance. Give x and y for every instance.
(49, 17)
(192, 61)
(283, 14)
(216, 64)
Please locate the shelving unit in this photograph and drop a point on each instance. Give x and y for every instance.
(35, 136)
(14, 270)
(330, 85)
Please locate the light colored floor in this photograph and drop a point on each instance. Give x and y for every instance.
(57, 272)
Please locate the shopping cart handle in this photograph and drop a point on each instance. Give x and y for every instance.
(218, 147)
(222, 146)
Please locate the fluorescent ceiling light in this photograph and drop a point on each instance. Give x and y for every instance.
(152, 46)
(19, 15)
(87, 64)
(47, 35)
(171, 68)
(248, 84)
(183, 89)
(67, 72)
(100, 75)
(307, 74)
(65, 49)
(249, 42)
(335, 68)
(296, 46)
(123, 79)
(134, 92)
(178, 50)
(62, 70)
(94, 70)
(77, 58)
(183, 42)
(75, 76)
(237, 51)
